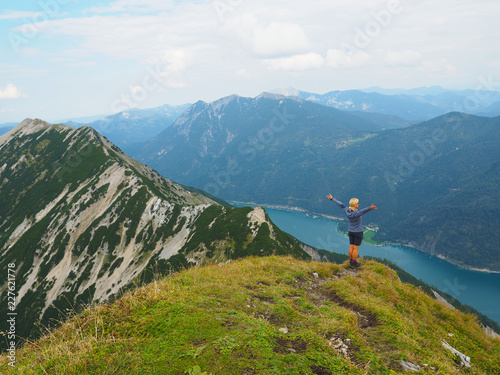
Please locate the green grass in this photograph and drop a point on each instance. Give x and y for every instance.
(368, 237)
(227, 320)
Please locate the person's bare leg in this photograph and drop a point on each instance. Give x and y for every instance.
(354, 252)
(351, 248)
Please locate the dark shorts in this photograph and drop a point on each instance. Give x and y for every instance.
(355, 238)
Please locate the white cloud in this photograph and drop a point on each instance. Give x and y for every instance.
(11, 92)
(135, 6)
(136, 89)
(340, 59)
(132, 36)
(242, 73)
(187, 43)
(297, 62)
(15, 14)
(405, 58)
(280, 38)
(176, 60)
(170, 68)
(115, 36)
(16, 72)
(71, 61)
(440, 66)
(30, 52)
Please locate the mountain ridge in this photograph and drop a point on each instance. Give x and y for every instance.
(82, 221)
(243, 127)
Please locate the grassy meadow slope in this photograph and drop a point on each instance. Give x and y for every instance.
(271, 315)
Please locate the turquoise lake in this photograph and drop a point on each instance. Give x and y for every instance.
(477, 289)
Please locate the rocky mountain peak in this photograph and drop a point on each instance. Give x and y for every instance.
(26, 127)
(81, 221)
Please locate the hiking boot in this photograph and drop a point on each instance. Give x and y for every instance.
(355, 264)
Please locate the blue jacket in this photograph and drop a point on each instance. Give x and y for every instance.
(355, 220)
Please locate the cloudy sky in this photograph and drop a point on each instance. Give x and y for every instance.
(68, 58)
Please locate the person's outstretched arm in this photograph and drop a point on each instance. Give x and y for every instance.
(362, 211)
(342, 205)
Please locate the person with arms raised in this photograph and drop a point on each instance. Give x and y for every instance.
(355, 226)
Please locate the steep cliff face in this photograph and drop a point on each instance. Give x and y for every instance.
(80, 221)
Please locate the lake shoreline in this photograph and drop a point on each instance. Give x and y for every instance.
(336, 218)
(483, 270)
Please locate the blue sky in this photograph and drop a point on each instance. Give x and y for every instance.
(67, 58)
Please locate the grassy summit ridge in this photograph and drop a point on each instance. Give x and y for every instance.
(270, 315)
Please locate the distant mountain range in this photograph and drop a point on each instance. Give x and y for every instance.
(134, 125)
(80, 222)
(129, 127)
(418, 91)
(4, 128)
(403, 106)
(82, 120)
(407, 106)
(434, 181)
(413, 105)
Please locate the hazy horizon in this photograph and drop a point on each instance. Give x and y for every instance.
(69, 58)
